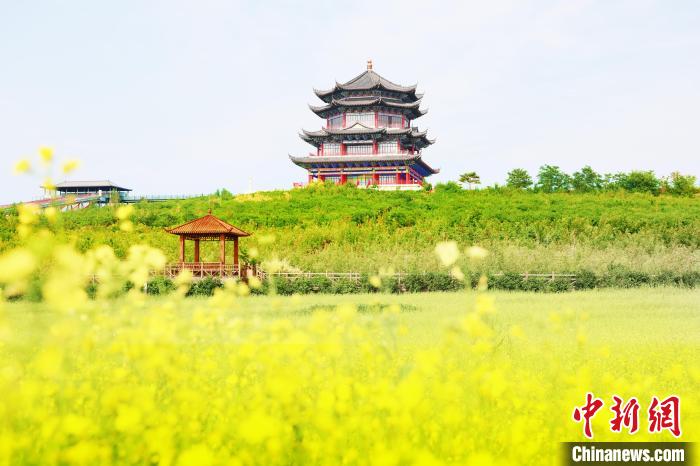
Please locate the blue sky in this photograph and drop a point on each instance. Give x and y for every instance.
(187, 97)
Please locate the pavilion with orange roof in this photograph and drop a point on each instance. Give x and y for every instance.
(209, 228)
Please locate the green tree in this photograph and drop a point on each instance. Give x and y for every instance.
(469, 178)
(519, 178)
(638, 182)
(680, 185)
(552, 179)
(587, 180)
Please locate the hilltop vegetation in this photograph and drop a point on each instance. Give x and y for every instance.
(326, 228)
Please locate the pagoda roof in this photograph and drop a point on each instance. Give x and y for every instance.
(207, 226)
(364, 81)
(358, 129)
(339, 161)
(369, 102)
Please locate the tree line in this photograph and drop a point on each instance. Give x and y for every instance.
(552, 179)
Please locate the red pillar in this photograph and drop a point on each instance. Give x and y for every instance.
(311, 178)
(182, 248)
(398, 178)
(343, 178)
(375, 177)
(222, 249)
(196, 250)
(235, 252)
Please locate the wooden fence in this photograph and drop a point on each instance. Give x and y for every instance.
(204, 270)
(356, 276)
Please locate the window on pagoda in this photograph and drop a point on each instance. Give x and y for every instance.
(331, 148)
(388, 147)
(366, 119)
(355, 149)
(387, 120)
(335, 122)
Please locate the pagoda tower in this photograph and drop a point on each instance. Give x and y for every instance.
(368, 139)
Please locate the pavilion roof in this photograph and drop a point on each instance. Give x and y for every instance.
(364, 81)
(206, 226)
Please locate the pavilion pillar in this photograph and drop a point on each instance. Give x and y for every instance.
(375, 177)
(182, 248)
(235, 252)
(398, 178)
(222, 249)
(311, 178)
(196, 250)
(343, 178)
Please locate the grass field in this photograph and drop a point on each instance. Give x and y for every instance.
(342, 229)
(455, 378)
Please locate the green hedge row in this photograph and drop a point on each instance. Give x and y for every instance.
(423, 282)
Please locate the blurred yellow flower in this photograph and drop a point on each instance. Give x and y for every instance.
(196, 455)
(124, 212)
(46, 154)
(48, 184)
(28, 213)
(16, 264)
(477, 252)
(457, 273)
(51, 213)
(70, 166)
(447, 252)
(22, 166)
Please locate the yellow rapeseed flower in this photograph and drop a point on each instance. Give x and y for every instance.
(28, 213)
(70, 165)
(22, 166)
(46, 154)
(447, 252)
(48, 184)
(124, 212)
(16, 264)
(477, 252)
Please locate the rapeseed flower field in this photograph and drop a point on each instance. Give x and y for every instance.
(474, 378)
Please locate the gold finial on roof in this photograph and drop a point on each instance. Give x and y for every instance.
(369, 64)
(209, 210)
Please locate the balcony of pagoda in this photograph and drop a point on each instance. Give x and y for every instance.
(377, 153)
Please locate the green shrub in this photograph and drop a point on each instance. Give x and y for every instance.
(585, 280)
(204, 287)
(159, 286)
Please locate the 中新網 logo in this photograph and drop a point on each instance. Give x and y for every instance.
(661, 414)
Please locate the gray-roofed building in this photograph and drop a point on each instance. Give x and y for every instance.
(368, 138)
(89, 187)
